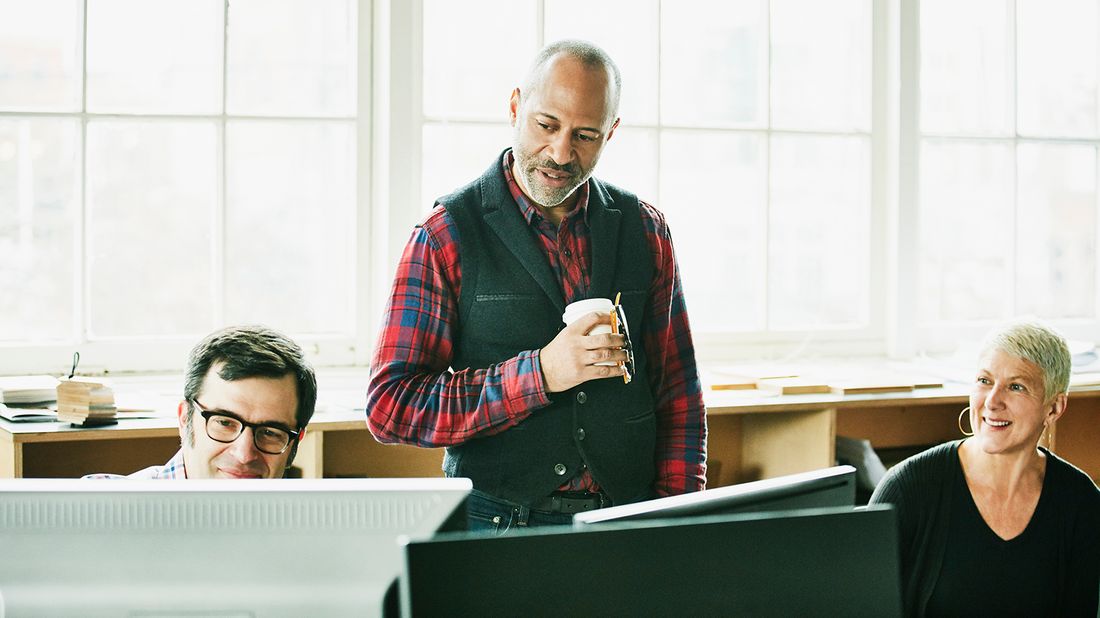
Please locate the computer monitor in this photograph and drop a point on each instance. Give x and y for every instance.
(827, 487)
(810, 562)
(229, 548)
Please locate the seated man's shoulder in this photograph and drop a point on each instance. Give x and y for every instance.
(152, 472)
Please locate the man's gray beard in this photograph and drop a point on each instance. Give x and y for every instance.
(544, 196)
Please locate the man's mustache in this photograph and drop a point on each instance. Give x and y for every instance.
(568, 168)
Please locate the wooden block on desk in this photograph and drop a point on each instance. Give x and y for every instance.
(859, 387)
(731, 384)
(793, 386)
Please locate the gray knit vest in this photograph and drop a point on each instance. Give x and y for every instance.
(511, 301)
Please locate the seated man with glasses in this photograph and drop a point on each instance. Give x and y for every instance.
(247, 397)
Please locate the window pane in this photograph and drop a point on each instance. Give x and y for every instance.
(966, 67)
(468, 72)
(40, 55)
(1056, 241)
(152, 187)
(290, 225)
(292, 57)
(714, 193)
(39, 162)
(819, 232)
(632, 48)
(714, 70)
(630, 161)
(456, 154)
(821, 64)
(155, 56)
(1057, 67)
(966, 231)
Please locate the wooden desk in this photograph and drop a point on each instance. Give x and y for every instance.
(335, 444)
(751, 437)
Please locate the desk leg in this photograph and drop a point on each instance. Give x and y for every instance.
(310, 457)
(11, 458)
(774, 444)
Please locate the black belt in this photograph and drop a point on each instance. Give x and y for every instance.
(570, 502)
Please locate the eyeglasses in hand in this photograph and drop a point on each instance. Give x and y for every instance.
(619, 326)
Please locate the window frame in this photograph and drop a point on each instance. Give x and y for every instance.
(388, 124)
(169, 353)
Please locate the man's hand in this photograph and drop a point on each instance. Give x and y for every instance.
(571, 357)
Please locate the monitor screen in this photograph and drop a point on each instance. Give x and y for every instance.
(226, 548)
(827, 487)
(809, 562)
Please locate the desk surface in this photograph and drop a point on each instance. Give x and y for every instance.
(332, 416)
(54, 431)
(753, 434)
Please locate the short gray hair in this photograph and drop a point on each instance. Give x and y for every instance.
(1038, 343)
(590, 55)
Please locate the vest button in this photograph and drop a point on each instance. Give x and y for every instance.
(580, 433)
(559, 469)
(582, 397)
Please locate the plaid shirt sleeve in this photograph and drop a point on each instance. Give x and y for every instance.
(414, 397)
(681, 417)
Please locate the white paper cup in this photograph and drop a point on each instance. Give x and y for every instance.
(583, 307)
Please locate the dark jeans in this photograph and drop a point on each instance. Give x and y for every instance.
(491, 515)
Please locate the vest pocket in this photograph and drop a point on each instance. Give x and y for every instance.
(503, 297)
(640, 418)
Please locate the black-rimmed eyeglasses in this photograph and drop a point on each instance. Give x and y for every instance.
(225, 427)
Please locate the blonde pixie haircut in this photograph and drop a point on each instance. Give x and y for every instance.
(1037, 343)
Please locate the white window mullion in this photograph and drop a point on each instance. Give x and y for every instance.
(765, 246)
(1013, 75)
(218, 222)
(396, 153)
(365, 220)
(884, 161)
(81, 295)
(904, 231)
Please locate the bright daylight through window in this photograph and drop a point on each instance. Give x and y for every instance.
(218, 175)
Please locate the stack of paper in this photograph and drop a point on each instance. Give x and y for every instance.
(27, 389)
(85, 401)
(26, 415)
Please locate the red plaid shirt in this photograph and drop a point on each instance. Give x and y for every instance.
(415, 398)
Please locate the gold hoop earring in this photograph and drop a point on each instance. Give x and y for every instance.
(961, 430)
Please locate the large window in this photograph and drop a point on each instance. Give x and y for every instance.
(842, 177)
(747, 123)
(1009, 127)
(171, 166)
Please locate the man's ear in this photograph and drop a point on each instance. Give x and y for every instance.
(513, 106)
(611, 131)
(181, 418)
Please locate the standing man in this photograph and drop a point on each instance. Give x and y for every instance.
(473, 356)
(248, 394)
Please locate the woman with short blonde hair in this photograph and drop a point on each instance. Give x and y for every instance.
(995, 524)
